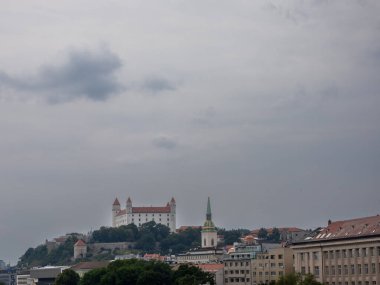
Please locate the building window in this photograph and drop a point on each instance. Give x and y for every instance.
(303, 270)
(350, 253)
(302, 256)
(326, 270)
(280, 256)
(337, 253)
(344, 253)
(366, 268)
(339, 269)
(272, 257)
(364, 251)
(331, 254)
(316, 270)
(373, 268)
(371, 251)
(315, 255)
(357, 252)
(352, 269)
(333, 270)
(359, 269)
(345, 269)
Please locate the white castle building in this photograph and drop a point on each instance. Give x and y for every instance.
(165, 215)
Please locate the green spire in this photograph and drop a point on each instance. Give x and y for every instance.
(208, 225)
(208, 213)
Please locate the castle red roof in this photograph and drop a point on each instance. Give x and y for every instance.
(150, 210)
(116, 202)
(121, 213)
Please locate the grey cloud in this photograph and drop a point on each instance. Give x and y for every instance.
(165, 142)
(157, 84)
(84, 74)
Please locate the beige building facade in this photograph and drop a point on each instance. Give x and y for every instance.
(260, 268)
(343, 253)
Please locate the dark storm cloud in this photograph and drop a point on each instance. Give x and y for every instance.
(84, 74)
(165, 142)
(157, 84)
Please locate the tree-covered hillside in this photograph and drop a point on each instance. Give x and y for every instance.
(149, 238)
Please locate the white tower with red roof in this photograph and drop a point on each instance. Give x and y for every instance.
(115, 210)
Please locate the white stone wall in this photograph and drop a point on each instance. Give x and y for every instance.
(167, 219)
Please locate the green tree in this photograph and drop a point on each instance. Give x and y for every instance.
(275, 235)
(297, 279)
(67, 277)
(234, 235)
(263, 233)
(93, 277)
(189, 275)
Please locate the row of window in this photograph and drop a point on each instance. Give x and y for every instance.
(236, 279)
(356, 252)
(271, 265)
(236, 271)
(344, 253)
(236, 263)
(351, 269)
(147, 220)
(352, 283)
(147, 215)
(279, 256)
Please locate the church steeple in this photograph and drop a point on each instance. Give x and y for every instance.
(209, 233)
(208, 212)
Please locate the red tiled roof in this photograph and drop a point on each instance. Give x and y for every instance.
(360, 227)
(153, 256)
(80, 243)
(210, 267)
(90, 265)
(151, 209)
(269, 230)
(116, 202)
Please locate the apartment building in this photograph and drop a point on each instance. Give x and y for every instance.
(257, 264)
(344, 253)
(271, 265)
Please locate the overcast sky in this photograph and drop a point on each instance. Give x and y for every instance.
(271, 108)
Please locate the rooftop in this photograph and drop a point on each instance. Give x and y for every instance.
(355, 228)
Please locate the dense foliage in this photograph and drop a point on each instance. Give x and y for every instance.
(40, 256)
(140, 272)
(150, 238)
(297, 279)
(274, 236)
(67, 277)
(231, 236)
